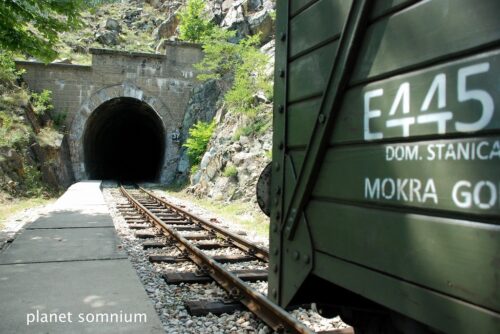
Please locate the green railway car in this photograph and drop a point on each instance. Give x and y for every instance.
(385, 191)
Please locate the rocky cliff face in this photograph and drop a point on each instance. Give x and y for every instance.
(33, 153)
(230, 168)
(233, 162)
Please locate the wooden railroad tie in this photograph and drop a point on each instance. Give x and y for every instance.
(154, 244)
(146, 234)
(212, 245)
(193, 228)
(218, 258)
(216, 307)
(189, 277)
(176, 222)
(200, 236)
(139, 226)
(135, 221)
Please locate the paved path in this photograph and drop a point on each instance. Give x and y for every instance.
(66, 274)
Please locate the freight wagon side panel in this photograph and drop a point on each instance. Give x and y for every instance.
(404, 208)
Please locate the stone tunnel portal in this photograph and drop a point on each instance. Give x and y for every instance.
(124, 140)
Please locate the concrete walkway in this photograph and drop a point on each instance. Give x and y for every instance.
(66, 274)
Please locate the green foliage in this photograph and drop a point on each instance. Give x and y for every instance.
(230, 171)
(249, 78)
(97, 3)
(273, 15)
(221, 56)
(196, 144)
(42, 102)
(194, 26)
(32, 26)
(254, 125)
(194, 169)
(33, 181)
(8, 71)
(269, 154)
(58, 119)
(244, 61)
(13, 132)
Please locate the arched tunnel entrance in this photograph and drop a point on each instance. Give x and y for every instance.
(124, 140)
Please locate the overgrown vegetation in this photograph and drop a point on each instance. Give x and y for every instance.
(230, 171)
(19, 173)
(8, 71)
(196, 144)
(97, 3)
(42, 102)
(194, 26)
(244, 61)
(32, 26)
(241, 62)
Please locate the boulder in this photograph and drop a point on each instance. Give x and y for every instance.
(254, 5)
(167, 28)
(79, 49)
(213, 11)
(269, 5)
(131, 15)
(154, 3)
(170, 7)
(240, 157)
(112, 24)
(226, 5)
(235, 20)
(262, 23)
(107, 37)
(183, 165)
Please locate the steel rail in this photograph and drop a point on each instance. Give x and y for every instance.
(273, 315)
(254, 250)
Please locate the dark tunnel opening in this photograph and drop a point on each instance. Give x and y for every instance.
(124, 140)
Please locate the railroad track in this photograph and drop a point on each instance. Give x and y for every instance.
(197, 239)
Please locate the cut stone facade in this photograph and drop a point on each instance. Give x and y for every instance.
(164, 82)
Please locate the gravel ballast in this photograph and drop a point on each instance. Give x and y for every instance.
(169, 299)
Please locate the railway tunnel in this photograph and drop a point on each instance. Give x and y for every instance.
(124, 140)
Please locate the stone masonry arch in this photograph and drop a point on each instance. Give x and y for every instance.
(102, 96)
(164, 82)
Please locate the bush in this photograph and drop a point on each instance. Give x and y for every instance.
(196, 144)
(249, 78)
(33, 181)
(42, 102)
(194, 26)
(244, 61)
(230, 171)
(220, 56)
(8, 70)
(58, 118)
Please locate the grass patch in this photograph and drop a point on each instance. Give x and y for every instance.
(230, 171)
(9, 209)
(244, 214)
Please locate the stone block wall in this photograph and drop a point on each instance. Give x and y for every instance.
(164, 82)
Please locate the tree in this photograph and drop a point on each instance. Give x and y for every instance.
(32, 26)
(193, 25)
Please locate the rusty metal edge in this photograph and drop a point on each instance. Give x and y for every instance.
(273, 315)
